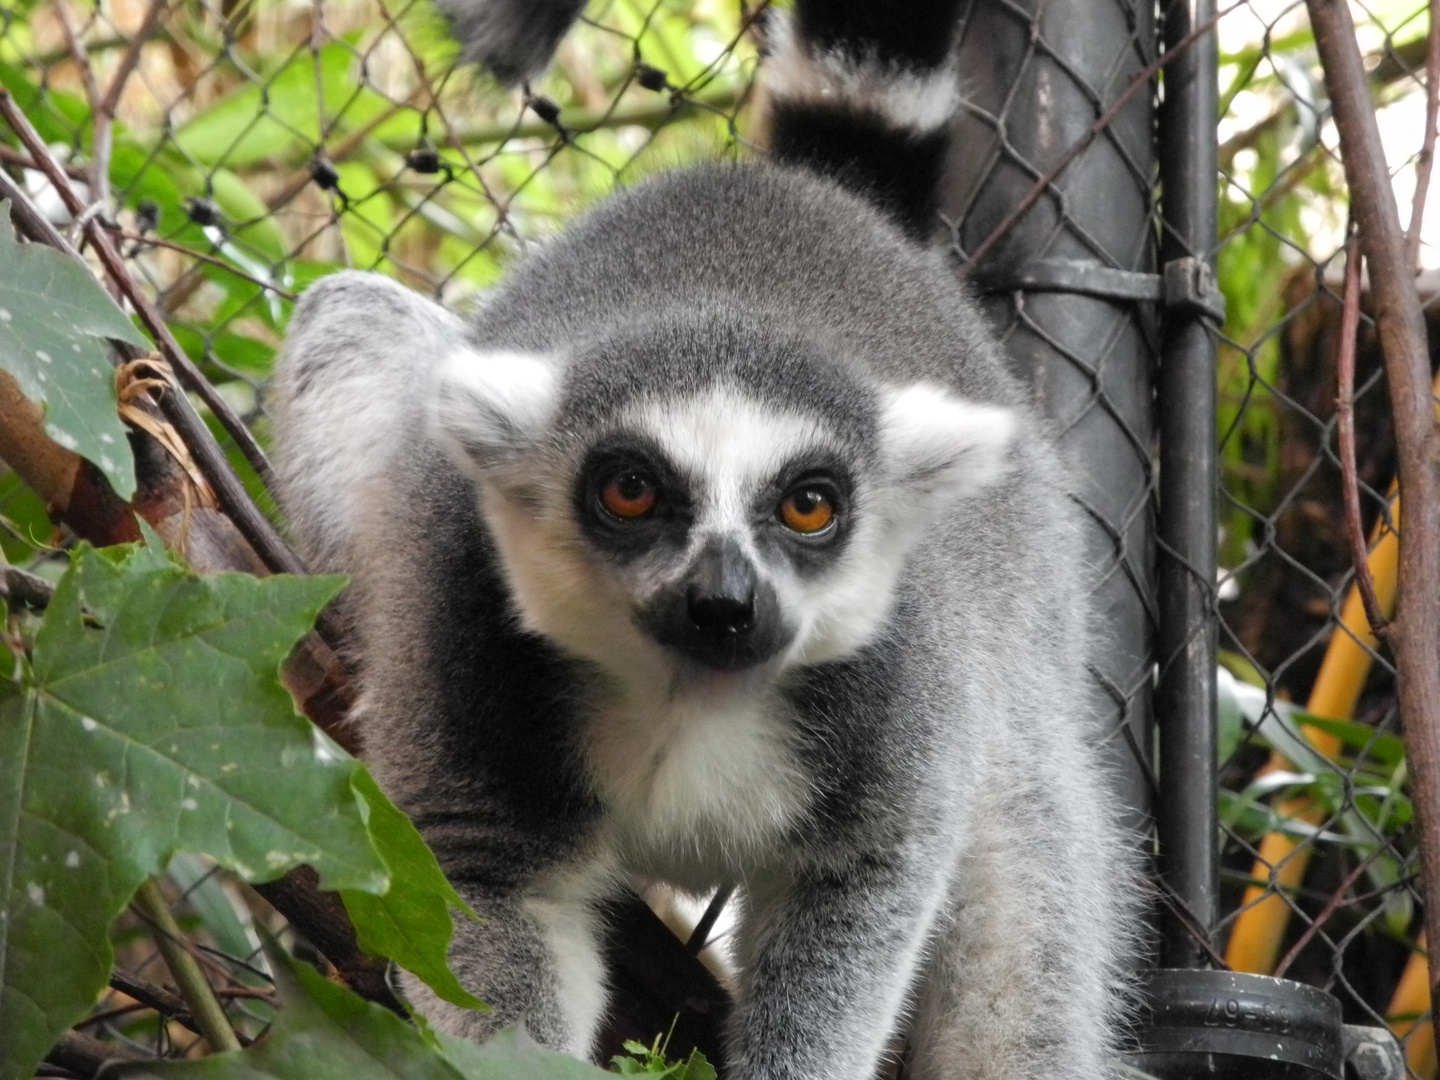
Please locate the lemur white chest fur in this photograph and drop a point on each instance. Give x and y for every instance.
(698, 785)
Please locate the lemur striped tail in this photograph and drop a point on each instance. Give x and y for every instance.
(863, 91)
(859, 90)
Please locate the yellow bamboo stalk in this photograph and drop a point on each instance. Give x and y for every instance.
(1260, 928)
(1412, 1000)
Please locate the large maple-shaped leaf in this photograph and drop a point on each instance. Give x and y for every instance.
(54, 318)
(409, 923)
(324, 1032)
(150, 719)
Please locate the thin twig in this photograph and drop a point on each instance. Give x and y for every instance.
(51, 57)
(106, 1015)
(155, 241)
(1414, 635)
(19, 159)
(189, 374)
(1052, 174)
(1333, 905)
(1425, 164)
(99, 173)
(1345, 424)
(194, 987)
(131, 57)
(234, 499)
(248, 993)
(171, 1006)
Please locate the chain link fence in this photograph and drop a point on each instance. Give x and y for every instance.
(1319, 856)
(245, 149)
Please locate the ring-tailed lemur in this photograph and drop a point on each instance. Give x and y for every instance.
(718, 546)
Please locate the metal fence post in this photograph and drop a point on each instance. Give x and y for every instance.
(1185, 697)
(1071, 290)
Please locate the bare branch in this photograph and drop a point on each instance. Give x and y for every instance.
(320, 917)
(1345, 422)
(73, 490)
(1337, 899)
(84, 1056)
(171, 1006)
(99, 172)
(234, 499)
(131, 57)
(25, 589)
(1415, 634)
(200, 256)
(1425, 164)
(195, 988)
(76, 493)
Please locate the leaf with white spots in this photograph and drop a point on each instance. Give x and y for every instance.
(54, 319)
(147, 719)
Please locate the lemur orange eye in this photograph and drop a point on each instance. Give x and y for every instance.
(806, 510)
(629, 495)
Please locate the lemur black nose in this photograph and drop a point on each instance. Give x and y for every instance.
(720, 598)
(721, 614)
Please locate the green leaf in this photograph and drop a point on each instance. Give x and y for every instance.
(54, 318)
(150, 720)
(514, 1055)
(325, 1032)
(409, 923)
(697, 1068)
(642, 1060)
(56, 114)
(1379, 746)
(25, 511)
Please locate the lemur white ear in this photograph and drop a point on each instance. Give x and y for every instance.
(488, 406)
(942, 447)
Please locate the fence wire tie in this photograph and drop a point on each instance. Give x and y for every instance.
(1190, 289)
(1186, 287)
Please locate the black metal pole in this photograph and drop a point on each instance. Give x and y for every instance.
(1072, 290)
(1185, 698)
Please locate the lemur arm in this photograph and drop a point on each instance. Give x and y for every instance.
(829, 963)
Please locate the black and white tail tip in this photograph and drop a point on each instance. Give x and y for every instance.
(865, 93)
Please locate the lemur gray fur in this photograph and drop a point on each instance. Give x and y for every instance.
(720, 546)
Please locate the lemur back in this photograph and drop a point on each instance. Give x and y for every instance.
(716, 547)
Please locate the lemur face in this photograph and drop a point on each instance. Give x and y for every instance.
(664, 503)
(724, 520)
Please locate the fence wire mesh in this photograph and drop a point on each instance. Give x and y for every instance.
(1318, 848)
(246, 149)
